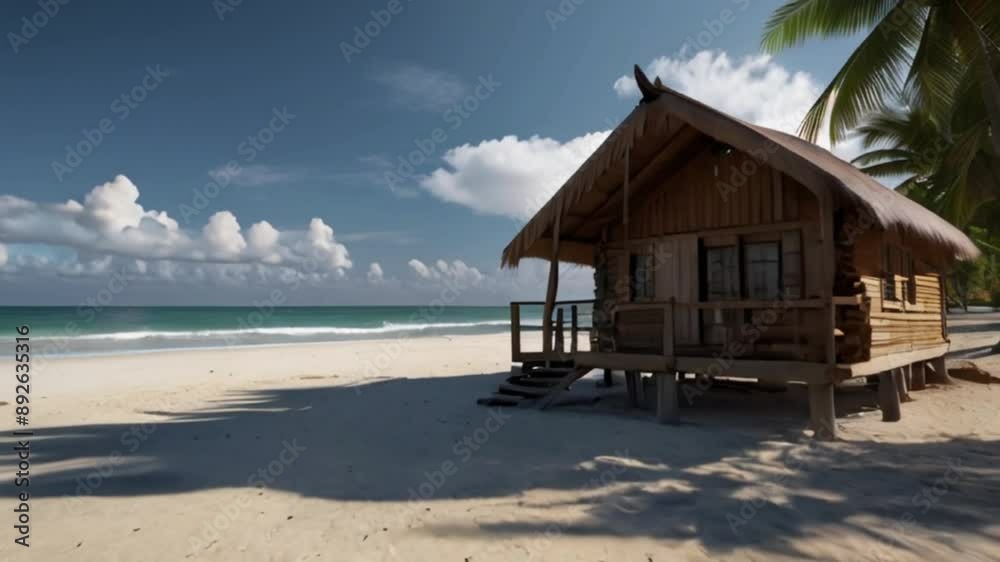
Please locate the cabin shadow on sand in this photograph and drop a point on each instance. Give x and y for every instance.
(375, 442)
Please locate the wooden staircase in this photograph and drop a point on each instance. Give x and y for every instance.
(535, 384)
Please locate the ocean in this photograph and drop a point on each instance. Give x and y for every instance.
(114, 330)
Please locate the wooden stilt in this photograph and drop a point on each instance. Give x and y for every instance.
(918, 378)
(901, 376)
(632, 382)
(821, 411)
(667, 406)
(609, 380)
(888, 397)
(936, 373)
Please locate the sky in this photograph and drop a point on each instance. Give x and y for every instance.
(382, 152)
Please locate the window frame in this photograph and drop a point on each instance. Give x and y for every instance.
(648, 284)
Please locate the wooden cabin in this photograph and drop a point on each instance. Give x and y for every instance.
(727, 249)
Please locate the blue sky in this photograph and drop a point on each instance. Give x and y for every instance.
(541, 79)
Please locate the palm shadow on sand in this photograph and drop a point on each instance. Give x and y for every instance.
(378, 441)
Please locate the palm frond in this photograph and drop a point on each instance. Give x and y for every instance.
(890, 169)
(883, 155)
(798, 20)
(936, 69)
(872, 75)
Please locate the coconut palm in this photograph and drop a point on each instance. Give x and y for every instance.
(954, 175)
(928, 51)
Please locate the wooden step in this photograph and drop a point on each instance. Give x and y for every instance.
(500, 400)
(526, 391)
(549, 372)
(526, 380)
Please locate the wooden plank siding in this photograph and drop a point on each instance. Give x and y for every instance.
(711, 198)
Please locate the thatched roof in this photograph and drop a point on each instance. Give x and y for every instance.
(667, 121)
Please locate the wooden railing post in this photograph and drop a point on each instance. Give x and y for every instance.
(574, 325)
(550, 295)
(560, 335)
(515, 332)
(668, 330)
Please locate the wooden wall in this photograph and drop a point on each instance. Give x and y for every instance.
(901, 326)
(709, 197)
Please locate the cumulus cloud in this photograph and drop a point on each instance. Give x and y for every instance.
(753, 88)
(456, 272)
(375, 274)
(509, 177)
(111, 222)
(514, 177)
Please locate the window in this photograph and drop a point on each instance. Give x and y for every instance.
(642, 276)
(889, 277)
(722, 273)
(762, 263)
(759, 266)
(791, 264)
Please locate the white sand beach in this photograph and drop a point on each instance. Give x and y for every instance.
(377, 451)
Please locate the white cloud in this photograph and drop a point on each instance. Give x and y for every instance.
(375, 274)
(111, 222)
(510, 177)
(754, 88)
(514, 177)
(262, 241)
(420, 88)
(3, 255)
(258, 175)
(420, 269)
(223, 237)
(457, 272)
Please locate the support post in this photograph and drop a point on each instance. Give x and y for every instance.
(888, 397)
(609, 379)
(901, 388)
(560, 332)
(667, 406)
(668, 330)
(515, 332)
(550, 294)
(822, 415)
(937, 373)
(918, 378)
(574, 328)
(633, 379)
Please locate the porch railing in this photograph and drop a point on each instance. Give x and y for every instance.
(653, 328)
(557, 337)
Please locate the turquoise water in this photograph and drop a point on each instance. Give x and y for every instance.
(71, 330)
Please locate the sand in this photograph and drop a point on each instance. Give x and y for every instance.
(377, 451)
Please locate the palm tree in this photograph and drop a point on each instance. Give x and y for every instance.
(949, 177)
(928, 51)
(953, 175)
